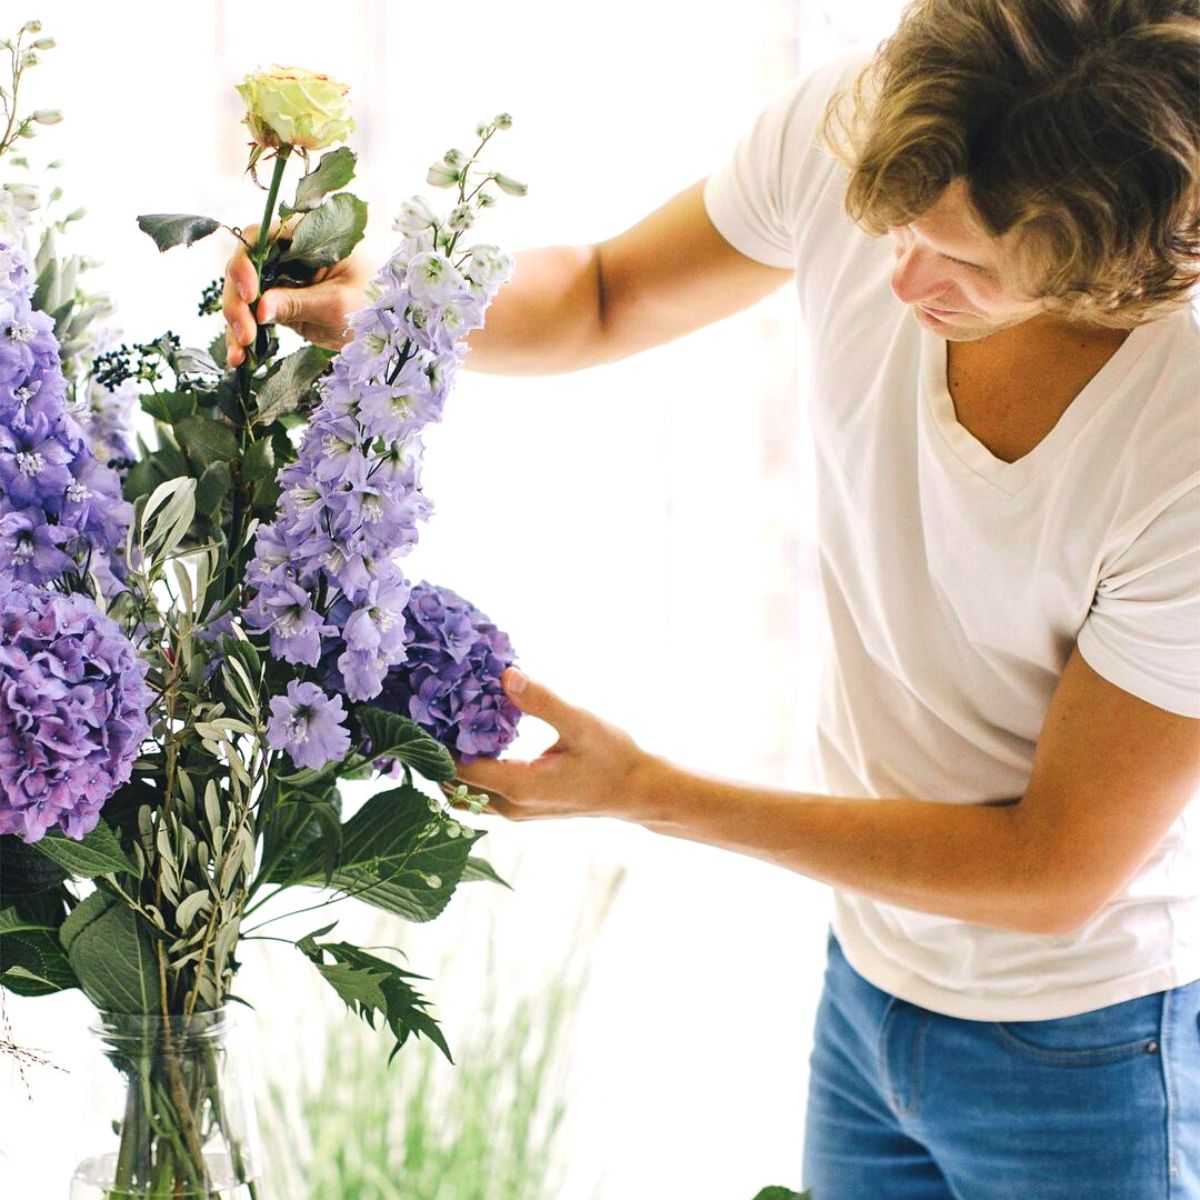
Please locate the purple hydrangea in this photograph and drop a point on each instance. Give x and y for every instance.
(308, 724)
(60, 509)
(73, 703)
(351, 502)
(450, 682)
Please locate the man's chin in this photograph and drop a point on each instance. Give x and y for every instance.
(955, 328)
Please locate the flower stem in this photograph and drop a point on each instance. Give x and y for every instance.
(246, 372)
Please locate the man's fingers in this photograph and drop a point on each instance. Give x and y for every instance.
(493, 775)
(539, 701)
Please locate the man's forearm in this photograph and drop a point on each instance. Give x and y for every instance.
(975, 862)
(546, 319)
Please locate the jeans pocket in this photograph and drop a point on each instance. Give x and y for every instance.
(1105, 1035)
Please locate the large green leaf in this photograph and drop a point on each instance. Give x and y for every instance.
(112, 955)
(396, 855)
(781, 1193)
(394, 736)
(288, 384)
(206, 441)
(334, 171)
(372, 986)
(170, 229)
(329, 233)
(24, 872)
(32, 962)
(98, 853)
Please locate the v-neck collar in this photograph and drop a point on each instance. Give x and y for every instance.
(1011, 477)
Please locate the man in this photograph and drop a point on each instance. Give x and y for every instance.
(994, 270)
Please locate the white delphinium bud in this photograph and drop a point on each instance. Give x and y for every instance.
(510, 186)
(415, 216)
(442, 174)
(503, 121)
(461, 217)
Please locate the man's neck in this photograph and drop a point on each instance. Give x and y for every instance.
(1010, 388)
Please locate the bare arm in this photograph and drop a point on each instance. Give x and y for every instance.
(566, 307)
(572, 307)
(1110, 775)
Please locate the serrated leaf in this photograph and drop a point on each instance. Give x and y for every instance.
(394, 736)
(329, 233)
(112, 955)
(24, 872)
(99, 853)
(334, 171)
(284, 389)
(206, 441)
(173, 229)
(33, 964)
(370, 985)
(392, 849)
(478, 869)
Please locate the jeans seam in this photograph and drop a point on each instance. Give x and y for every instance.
(881, 1050)
(1165, 1041)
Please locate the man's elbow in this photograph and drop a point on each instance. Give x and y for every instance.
(1059, 914)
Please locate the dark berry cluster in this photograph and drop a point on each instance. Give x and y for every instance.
(141, 361)
(210, 298)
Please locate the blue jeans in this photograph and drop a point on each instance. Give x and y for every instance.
(907, 1104)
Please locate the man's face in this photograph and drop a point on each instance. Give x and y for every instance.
(957, 278)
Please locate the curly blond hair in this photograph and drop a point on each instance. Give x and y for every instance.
(1074, 124)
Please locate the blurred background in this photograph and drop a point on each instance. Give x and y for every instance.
(643, 531)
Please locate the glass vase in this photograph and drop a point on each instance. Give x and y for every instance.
(181, 1112)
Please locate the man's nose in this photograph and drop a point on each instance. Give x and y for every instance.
(916, 276)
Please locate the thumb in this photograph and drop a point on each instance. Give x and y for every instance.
(537, 700)
(280, 304)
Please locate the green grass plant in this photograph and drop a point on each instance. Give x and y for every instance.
(485, 1128)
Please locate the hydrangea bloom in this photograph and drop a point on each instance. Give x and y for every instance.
(73, 703)
(60, 509)
(450, 682)
(308, 725)
(352, 500)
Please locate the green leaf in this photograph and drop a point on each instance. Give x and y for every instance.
(334, 171)
(112, 955)
(480, 869)
(98, 853)
(259, 461)
(24, 872)
(372, 986)
(32, 963)
(169, 407)
(284, 389)
(206, 441)
(329, 233)
(781, 1193)
(396, 855)
(394, 736)
(171, 229)
(212, 489)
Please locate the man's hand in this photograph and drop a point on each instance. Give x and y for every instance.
(593, 770)
(318, 313)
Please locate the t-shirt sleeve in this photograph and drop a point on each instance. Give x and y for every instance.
(756, 197)
(1143, 631)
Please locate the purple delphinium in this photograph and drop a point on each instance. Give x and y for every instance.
(450, 682)
(351, 502)
(60, 509)
(308, 724)
(73, 703)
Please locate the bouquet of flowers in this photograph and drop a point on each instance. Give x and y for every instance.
(200, 639)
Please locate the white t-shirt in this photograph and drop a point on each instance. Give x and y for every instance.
(957, 584)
